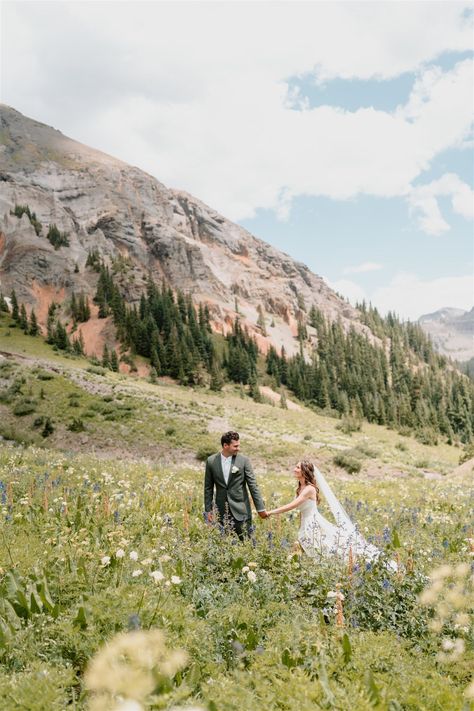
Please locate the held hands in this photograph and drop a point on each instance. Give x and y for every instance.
(263, 514)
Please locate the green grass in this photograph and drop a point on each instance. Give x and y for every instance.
(249, 644)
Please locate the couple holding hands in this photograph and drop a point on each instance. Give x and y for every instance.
(229, 478)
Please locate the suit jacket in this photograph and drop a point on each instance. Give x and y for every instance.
(236, 492)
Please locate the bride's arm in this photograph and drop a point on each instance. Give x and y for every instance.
(289, 507)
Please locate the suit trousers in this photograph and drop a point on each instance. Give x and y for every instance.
(242, 529)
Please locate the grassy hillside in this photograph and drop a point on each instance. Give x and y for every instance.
(130, 416)
(102, 534)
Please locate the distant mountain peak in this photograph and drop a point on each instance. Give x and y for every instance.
(452, 331)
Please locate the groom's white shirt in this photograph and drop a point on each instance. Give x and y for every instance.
(226, 465)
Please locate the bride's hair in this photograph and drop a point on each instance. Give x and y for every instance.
(307, 470)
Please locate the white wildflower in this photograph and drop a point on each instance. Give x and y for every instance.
(136, 573)
(157, 575)
(251, 576)
(133, 555)
(120, 553)
(105, 560)
(245, 569)
(175, 579)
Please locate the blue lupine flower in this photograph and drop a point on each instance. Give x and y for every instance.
(134, 622)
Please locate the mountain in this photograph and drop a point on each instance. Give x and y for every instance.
(452, 332)
(141, 228)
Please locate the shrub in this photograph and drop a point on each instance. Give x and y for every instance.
(363, 449)
(58, 239)
(467, 453)
(422, 464)
(349, 424)
(23, 408)
(77, 425)
(48, 428)
(427, 436)
(44, 375)
(349, 462)
(205, 451)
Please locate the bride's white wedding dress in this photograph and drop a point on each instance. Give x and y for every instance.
(318, 536)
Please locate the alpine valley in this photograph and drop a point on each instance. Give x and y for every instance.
(105, 261)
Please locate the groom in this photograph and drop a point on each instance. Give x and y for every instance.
(231, 475)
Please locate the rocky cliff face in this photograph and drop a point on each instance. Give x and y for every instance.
(452, 332)
(141, 228)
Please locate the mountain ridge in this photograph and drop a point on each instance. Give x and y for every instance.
(103, 203)
(452, 332)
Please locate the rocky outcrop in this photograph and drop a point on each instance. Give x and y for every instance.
(142, 228)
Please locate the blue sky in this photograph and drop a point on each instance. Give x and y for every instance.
(340, 132)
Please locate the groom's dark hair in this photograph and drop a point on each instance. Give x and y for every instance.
(228, 437)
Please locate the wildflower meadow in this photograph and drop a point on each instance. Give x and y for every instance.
(114, 594)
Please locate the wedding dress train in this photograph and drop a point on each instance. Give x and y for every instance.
(318, 536)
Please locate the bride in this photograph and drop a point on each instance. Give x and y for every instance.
(316, 534)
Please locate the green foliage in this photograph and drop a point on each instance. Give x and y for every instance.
(24, 407)
(58, 239)
(80, 309)
(347, 461)
(241, 360)
(76, 425)
(164, 328)
(68, 589)
(410, 389)
(34, 328)
(349, 424)
(205, 450)
(48, 428)
(467, 453)
(20, 210)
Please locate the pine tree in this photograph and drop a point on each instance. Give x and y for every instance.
(3, 304)
(61, 339)
(23, 319)
(15, 308)
(114, 363)
(105, 357)
(254, 390)
(217, 381)
(34, 328)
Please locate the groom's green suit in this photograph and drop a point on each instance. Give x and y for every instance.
(232, 499)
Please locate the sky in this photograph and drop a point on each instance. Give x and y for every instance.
(339, 132)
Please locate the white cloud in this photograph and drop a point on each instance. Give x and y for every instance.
(424, 204)
(409, 296)
(361, 268)
(195, 93)
(349, 289)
